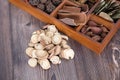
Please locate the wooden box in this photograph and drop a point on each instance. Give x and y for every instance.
(73, 33)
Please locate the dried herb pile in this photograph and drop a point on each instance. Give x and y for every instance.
(73, 15)
(108, 8)
(45, 5)
(95, 31)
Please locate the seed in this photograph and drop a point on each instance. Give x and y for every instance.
(50, 7)
(41, 6)
(34, 2)
(92, 23)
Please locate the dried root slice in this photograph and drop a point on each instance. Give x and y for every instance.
(64, 37)
(29, 51)
(36, 32)
(44, 63)
(52, 28)
(39, 46)
(42, 42)
(34, 38)
(54, 51)
(47, 40)
(63, 42)
(31, 44)
(42, 35)
(49, 34)
(55, 60)
(39, 38)
(67, 54)
(41, 54)
(32, 62)
(51, 52)
(57, 50)
(48, 47)
(56, 39)
(33, 54)
(65, 46)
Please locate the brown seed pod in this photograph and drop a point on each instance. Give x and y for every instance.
(96, 38)
(103, 34)
(92, 23)
(105, 29)
(90, 34)
(94, 29)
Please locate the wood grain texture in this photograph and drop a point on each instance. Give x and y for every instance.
(16, 27)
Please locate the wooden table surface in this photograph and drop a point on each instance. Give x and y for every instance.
(16, 27)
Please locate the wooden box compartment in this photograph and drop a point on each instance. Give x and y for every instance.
(99, 46)
(74, 33)
(55, 13)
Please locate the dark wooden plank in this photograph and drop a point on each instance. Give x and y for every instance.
(16, 27)
(5, 42)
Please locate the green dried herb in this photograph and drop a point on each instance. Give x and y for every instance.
(110, 7)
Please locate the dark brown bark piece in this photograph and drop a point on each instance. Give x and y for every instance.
(68, 21)
(80, 19)
(72, 9)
